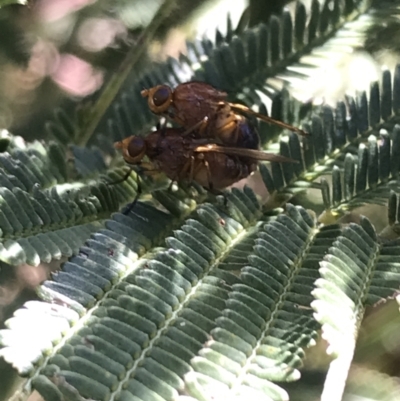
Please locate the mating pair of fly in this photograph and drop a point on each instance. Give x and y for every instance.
(215, 144)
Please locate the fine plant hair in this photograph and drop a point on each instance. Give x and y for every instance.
(190, 296)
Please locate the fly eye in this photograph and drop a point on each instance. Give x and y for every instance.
(161, 95)
(136, 147)
(160, 99)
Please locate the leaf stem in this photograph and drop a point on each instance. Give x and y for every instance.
(336, 377)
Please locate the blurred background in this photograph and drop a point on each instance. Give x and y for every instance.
(57, 52)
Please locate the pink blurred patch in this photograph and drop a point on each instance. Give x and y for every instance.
(97, 33)
(44, 58)
(76, 76)
(256, 183)
(21, 82)
(31, 276)
(26, 277)
(52, 10)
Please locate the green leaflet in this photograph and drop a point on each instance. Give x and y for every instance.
(367, 177)
(44, 225)
(356, 272)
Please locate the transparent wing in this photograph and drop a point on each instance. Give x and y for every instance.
(244, 109)
(250, 153)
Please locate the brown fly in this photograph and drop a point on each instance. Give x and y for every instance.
(199, 107)
(191, 159)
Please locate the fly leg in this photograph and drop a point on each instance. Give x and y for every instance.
(169, 189)
(138, 193)
(181, 173)
(142, 169)
(200, 125)
(211, 188)
(207, 166)
(191, 172)
(162, 128)
(174, 118)
(148, 169)
(123, 179)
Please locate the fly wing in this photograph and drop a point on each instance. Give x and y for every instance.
(246, 110)
(243, 152)
(192, 101)
(198, 91)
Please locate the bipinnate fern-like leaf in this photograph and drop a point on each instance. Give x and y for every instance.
(42, 217)
(357, 271)
(333, 133)
(24, 165)
(153, 327)
(268, 49)
(259, 338)
(88, 161)
(85, 278)
(178, 322)
(49, 224)
(63, 127)
(393, 228)
(172, 301)
(367, 177)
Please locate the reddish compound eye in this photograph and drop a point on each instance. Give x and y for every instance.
(133, 149)
(161, 95)
(159, 98)
(136, 147)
